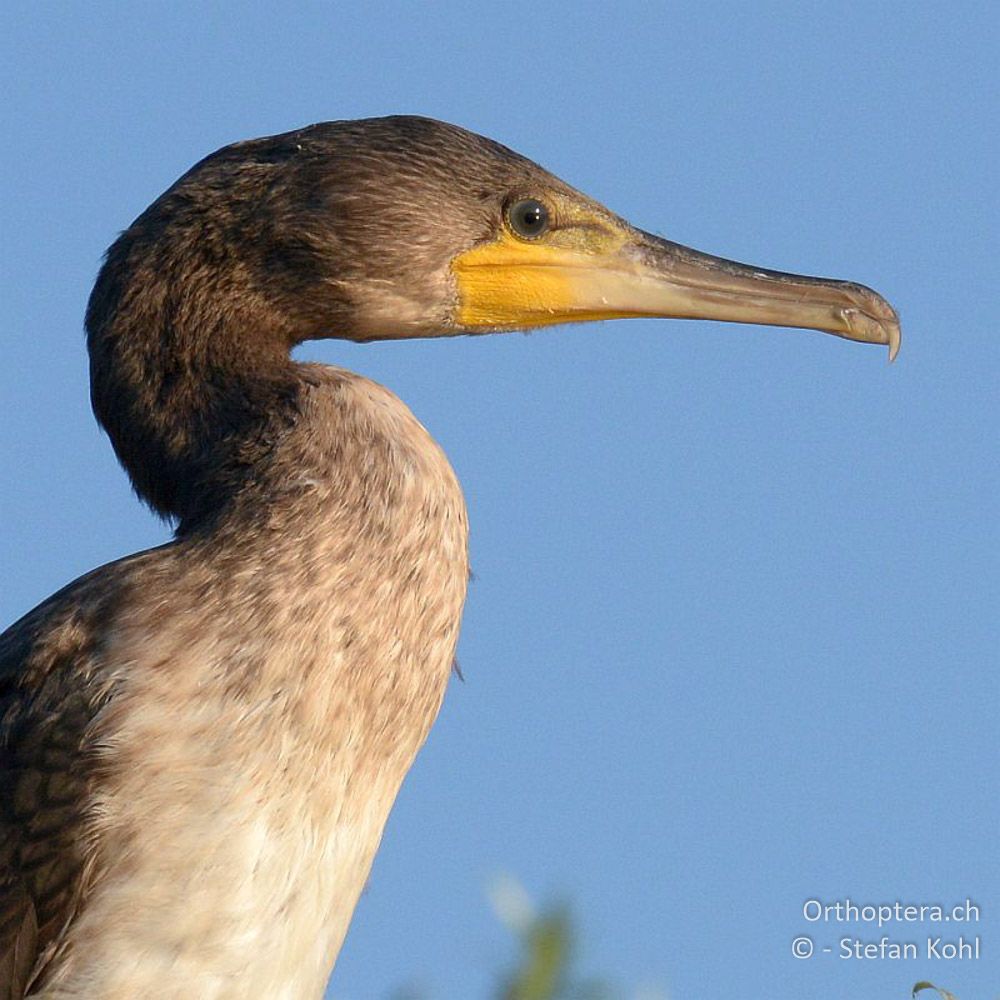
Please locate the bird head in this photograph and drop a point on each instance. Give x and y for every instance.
(400, 227)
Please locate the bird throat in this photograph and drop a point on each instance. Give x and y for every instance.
(188, 425)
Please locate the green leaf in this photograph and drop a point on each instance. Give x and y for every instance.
(924, 985)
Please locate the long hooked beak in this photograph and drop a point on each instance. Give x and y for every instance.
(614, 270)
(673, 280)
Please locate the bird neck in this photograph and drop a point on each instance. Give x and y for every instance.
(191, 400)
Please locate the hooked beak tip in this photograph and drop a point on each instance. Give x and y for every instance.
(874, 321)
(895, 338)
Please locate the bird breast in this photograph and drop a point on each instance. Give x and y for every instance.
(249, 768)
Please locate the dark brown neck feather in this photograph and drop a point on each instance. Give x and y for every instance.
(190, 369)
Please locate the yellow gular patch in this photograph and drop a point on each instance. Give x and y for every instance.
(513, 284)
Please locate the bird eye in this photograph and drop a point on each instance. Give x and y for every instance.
(528, 218)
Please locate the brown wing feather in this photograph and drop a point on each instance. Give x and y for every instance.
(18, 936)
(51, 688)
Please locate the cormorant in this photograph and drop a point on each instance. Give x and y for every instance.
(200, 744)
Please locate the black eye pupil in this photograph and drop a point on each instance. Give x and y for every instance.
(529, 218)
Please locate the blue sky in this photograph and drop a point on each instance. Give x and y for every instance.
(732, 642)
